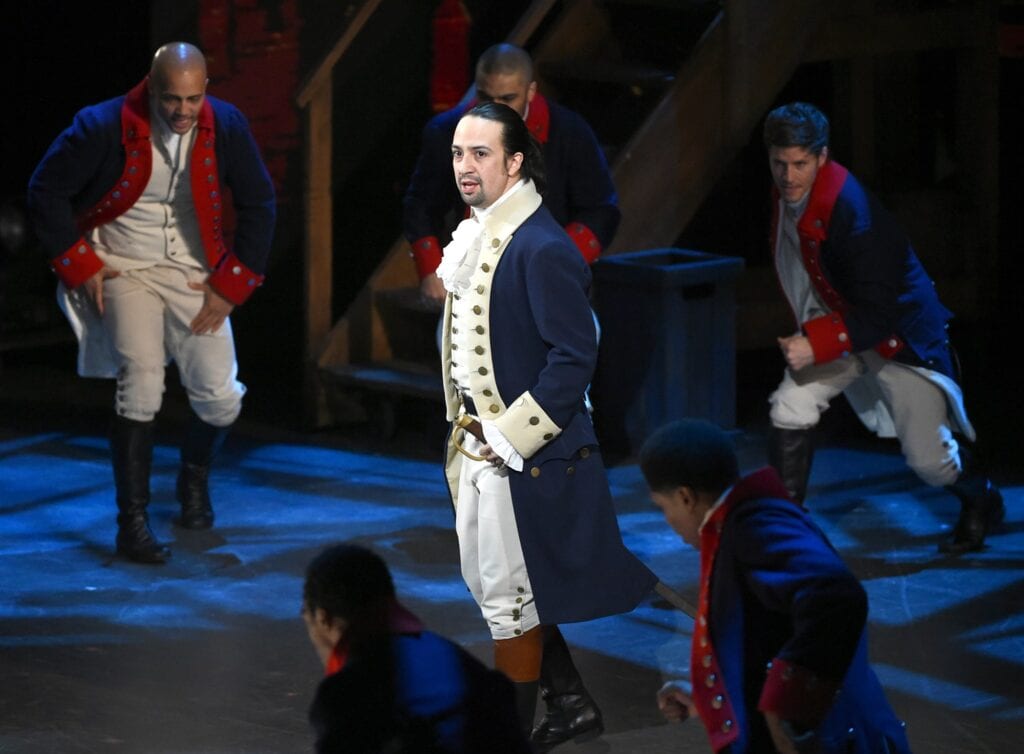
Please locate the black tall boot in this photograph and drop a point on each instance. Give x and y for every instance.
(526, 704)
(790, 452)
(981, 507)
(202, 442)
(571, 712)
(131, 445)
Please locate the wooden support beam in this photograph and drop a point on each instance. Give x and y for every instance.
(318, 243)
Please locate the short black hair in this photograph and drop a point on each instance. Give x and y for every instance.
(689, 453)
(797, 124)
(349, 582)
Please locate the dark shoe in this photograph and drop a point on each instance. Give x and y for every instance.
(135, 540)
(571, 713)
(193, 493)
(569, 717)
(981, 511)
(790, 452)
(202, 442)
(131, 445)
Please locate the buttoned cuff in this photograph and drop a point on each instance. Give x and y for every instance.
(585, 241)
(527, 426)
(233, 280)
(829, 338)
(77, 264)
(796, 693)
(426, 253)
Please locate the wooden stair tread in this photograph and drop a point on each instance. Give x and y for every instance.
(395, 377)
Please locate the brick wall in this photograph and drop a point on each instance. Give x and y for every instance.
(252, 50)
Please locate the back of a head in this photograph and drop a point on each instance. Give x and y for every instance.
(797, 124)
(689, 453)
(348, 582)
(505, 59)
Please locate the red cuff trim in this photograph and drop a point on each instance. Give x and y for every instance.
(77, 264)
(890, 346)
(426, 253)
(234, 281)
(796, 693)
(830, 340)
(585, 241)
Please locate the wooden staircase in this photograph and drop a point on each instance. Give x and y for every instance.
(673, 89)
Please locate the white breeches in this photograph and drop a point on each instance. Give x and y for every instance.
(919, 409)
(147, 319)
(489, 549)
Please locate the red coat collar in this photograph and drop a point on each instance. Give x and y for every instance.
(538, 118)
(400, 620)
(816, 218)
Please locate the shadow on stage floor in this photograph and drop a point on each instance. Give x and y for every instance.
(208, 654)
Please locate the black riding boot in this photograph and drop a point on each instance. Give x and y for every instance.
(571, 712)
(790, 452)
(526, 704)
(981, 508)
(202, 441)
(131, 445)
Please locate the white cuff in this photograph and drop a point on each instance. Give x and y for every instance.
(500, 444)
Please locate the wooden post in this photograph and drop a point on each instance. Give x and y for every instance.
(319, 246)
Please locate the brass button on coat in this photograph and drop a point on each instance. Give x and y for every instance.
(534, 420)
(535, 472)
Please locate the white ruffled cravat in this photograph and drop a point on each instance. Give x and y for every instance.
(461, 254)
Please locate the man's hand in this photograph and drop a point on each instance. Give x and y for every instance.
(797, 351)
(93, 287)
(675, 704)
(491, 457)
(214, 311)
(781, 734)
(432, 289)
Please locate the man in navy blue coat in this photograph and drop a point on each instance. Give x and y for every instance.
(129, 206)
(580, 194)
(538, 538)
(869, 324)
(779, 654)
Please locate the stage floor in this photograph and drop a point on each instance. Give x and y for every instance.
(208, 653)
